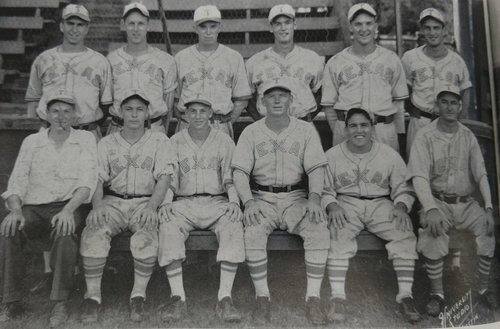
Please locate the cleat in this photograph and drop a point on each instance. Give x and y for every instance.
(59, 314)
(487, 300)
(226, 311)
(337, 310)
(9, 311)
(435, 305)
(136, 309)
(90, 311)
(409, 310)
(262, 311)
(313, 311)
(175, 311)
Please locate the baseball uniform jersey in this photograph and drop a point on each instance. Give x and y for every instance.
(303, 67)
(85, 75)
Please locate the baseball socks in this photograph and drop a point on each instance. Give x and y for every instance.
(143, 268)
(434, 269)
(337, 271)
(483, 273)
(93, 269)
(404, 272)
(257, 266)
(455, 259)
(315, 269)
(227, 274)
(174, 276)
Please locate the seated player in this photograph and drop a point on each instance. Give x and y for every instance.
(272, 158)
(205, 199)
(369, 191)
(445, 166)
(135, 168)
(54, 175)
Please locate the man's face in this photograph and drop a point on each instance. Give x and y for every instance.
(60, 115)
(208, 32)
(198, 115)
(363, 28)
(449, 106)
(134, 112)
(136, 26)
(283, 28)
(359, 131)
(433, 32)
(74, 30)
(277, 102)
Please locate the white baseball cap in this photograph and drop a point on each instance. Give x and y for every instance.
(200, 99)
(61, 96)
(135, 6)
(281, 83)
(279, 10)
(452, 89)
(433, 13)
(76, 10)
(363, 6)
(134, 93)
(206, 13)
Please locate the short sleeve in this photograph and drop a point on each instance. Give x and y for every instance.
(241, 88)
(170, 76)
(88, 165)
(250, 72)
(329, 92)
(102, 160)
(227, 152)
(35, 88)
(166, 158)
(243, 157)
(401, 189)
(419, 164)
(398, 83)
(476, 159)
(406, 62)
(318, 77)
(105, 91)
(19, 178)
(465, 82)
(314, 156)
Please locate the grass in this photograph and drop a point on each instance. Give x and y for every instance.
(371, 290)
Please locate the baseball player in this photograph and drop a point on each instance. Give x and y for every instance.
(214, 70)
(272, 158)
(370, 191)
(54, 175)
(303, 67)
(74, 68)
(365, 76)
(135, 168)
(140, 66)
(205, 199)
(445, 166)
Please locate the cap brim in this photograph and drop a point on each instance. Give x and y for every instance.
(448, 92)
(282, 87)
(198, 101)
(66, 100)
(209, 19)
(432, 17)
(145, 14)
(82, 17)
(281, 14)
(361, 10)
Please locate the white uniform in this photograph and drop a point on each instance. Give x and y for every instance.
(154, 72)
(425, 76)
(85, 75)
(303, 67)
(200, 187)
(372, 83)
(221, 77)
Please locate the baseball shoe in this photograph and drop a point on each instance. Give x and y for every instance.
(175, 310)
(313, 311)
(337, 310)
(136, 309)
(59, 314)
(434, 305)
(262, 311)
(487, 300)
(409, 310)
(226, 311)
(43, 283)
(90, 311)
(9, 311)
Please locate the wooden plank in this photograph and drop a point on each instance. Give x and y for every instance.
(30, 3)
(231, 4)
(322, 48)
(246, 25)
(24, 22)
(12, 47)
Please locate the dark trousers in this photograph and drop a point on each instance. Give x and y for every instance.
(37, 229)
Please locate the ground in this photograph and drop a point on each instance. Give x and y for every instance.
(371, 290)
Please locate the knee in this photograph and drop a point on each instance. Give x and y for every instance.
(144, 244)
(255, 237)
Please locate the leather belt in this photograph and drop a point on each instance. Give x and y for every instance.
(107, 191)
(417, 113)
(278, 189)
(451, 199)
(119, 121)
(366, 197)
(222, 118)
(201, 194)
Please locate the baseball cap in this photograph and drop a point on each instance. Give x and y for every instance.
(452, 89)
(135, 6)
(279, 83)
(433, 13)
(363, 6)
(200, 99)
(279, 10)
(134, 93)
(357, 110)
(76, 10)
(61, 96)
(206, 13)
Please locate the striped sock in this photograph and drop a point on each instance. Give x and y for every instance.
(404, 272)
(337, 271)
(435, 273)
(483, 273)
(93, 269)
(174, 276)
(315, 269)
(455, 259)
(227, 274)
(257, 265)
(143, 268)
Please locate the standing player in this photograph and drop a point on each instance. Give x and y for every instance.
(213, 70)
(134, 173)
(74, 68)
(371, 192)
(270, 163)
(55, 173)
(205, 199)
(445, 166)
(303, 67)
(140, 66)
(365, 76)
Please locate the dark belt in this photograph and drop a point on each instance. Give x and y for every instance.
(308, 117)
(416, 113)
(278, 189)
(341, 115)
(107, 191)
(84, 126)
(366, 197)
(451, 199)
(201, 194)
(222, 118)
(119, 121)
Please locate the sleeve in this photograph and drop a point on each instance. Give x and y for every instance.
(406, 62)
(398, 83)
(318, 76)
(226, 158)
(178, 89)
(476, 159)
(241, 88)
(419, 164)
(330, 85)
(102, 160)
(170, 76)
(329, 195)
(19, 178)
(401, 189)
(106, 94)
(166, 158)
(314, 156)
(35, 87)
(465, 82)
(88, 166)
(250, 72)
(243, 157)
